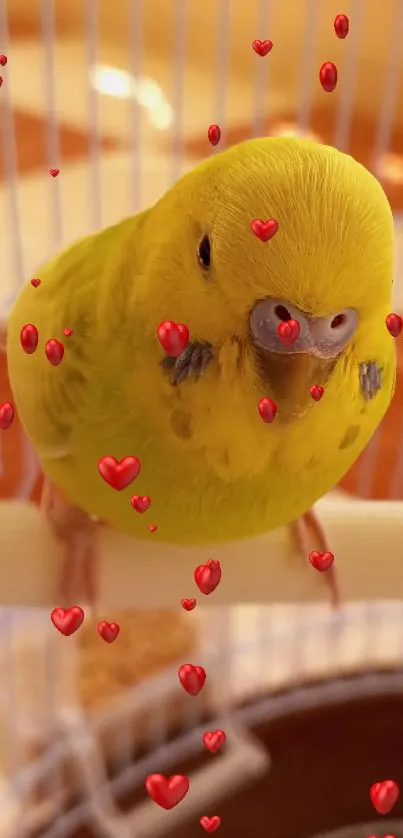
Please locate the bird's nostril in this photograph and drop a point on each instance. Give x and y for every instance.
(282, 313)
(337, 321)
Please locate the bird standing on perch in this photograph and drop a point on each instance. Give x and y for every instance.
(214, 470)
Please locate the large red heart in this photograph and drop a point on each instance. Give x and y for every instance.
(384, 795)
(173, 337)
(262, 47)
(167, 791)
(192, 678)
(264, 230)
(214, 740)
(68, 620)
(119, 473)
(208, 576)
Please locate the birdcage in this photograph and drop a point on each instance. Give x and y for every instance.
(119, 97)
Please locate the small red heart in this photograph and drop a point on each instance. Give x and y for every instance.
(173, 337)
(316, 392)
(210, 824)
(214, 134)
(208, 576)
(54, 172)
(153, 527)
(140, 503)
(6, 415)
(321, 561)
(188, 604)
(288, 331)
(108, 631)
(35, 282)
(119, 473)
(1, 80)
(262, 48)
(341, 26)
(328, 76)
(167, 791)
(54, 351)
(68, 620)
(394, 324)
(192, 678)
(264, 230)
(384, 796)
(267, 409)
(3, 60)
(29, 338)
(67, 332)
(214, 740)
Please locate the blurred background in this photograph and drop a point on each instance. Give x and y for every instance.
(119, 96)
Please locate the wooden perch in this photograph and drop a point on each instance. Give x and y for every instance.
(366, 538)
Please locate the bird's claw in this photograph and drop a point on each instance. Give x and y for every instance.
(370, 379)
(191, 363)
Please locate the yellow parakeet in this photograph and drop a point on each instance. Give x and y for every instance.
(214, 470)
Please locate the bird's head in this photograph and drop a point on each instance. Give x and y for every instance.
(329, 266)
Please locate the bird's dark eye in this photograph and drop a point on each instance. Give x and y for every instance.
(204, 252)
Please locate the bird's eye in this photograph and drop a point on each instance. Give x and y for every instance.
(204, 252)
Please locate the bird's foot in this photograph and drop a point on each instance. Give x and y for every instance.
(306, 530)
(191, 363)
(78, 532)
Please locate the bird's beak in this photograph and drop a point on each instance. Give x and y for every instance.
(287, 378)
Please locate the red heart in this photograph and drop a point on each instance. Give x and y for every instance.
(316, 392)
(67, 332)
(6, 415)
(173, 337)
(108, 631)
(54, 351)
(208, 576)
(3, 60)
(68, 620)
(394, 324)
(1, 80)
(35, 282)
(328, 76)
(214, 134)
(153, 527)
(341, 26)
(167, 791)
(29, 338)
(54, 172)
(140, 503)
(214, 740)
(264, 230)
(210, 824)
(384, 796)
(192, 678)
(321, 561)
(188, 604)
(267, 409)
(288, 331)
(119, 473)
(262, 47)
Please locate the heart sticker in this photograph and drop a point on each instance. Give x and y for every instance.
(384, 796)
(173, 337)
(214, 740)
(108, 631)
(321, 561)
(167, 791)
(188, 604)
(210, 824)
(67, 620)
(264, 230)
(140, 503)
(6, 415)
(262, 48)
(208, 576)
(192, 678)
(119, 473)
